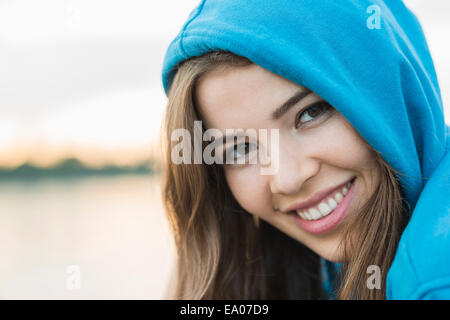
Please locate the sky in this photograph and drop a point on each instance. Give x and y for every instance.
(83, 77)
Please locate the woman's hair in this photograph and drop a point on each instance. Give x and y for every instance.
(223, 254)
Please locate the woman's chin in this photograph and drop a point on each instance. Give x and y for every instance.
(332, 255)
(334, 258)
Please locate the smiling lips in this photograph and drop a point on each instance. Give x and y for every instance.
(325, 206)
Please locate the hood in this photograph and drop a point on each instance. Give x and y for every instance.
(377, 73)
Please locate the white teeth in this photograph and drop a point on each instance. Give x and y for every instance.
(308, 215)
(332, 203)
(301, 214)
(344, 191)
(315, 214)
(324, 208)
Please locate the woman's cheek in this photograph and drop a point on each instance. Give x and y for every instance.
(343, 140)
(248, 188)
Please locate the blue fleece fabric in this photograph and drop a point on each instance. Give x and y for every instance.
(329, 272)
(381, 79)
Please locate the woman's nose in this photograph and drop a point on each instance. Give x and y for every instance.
(293, 171)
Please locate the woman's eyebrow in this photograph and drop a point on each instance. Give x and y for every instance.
(297, 97)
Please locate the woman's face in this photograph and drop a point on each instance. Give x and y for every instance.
(319, 154)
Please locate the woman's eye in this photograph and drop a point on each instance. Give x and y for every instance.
(239, 151)
(312, 112)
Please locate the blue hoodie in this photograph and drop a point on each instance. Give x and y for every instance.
(370, 60)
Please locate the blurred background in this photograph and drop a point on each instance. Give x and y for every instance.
(81, 103)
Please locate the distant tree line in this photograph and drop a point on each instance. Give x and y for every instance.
(74, 167)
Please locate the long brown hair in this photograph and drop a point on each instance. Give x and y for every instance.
(223, 254)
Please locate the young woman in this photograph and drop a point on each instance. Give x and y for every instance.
(361, 153)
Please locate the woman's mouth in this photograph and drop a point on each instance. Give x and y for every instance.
(330, 211)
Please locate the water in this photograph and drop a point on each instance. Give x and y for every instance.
(84, 238)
